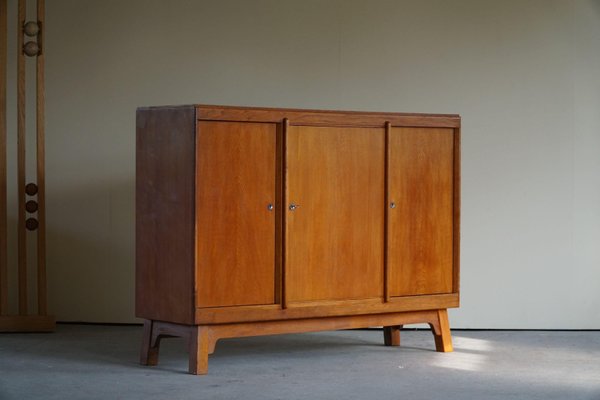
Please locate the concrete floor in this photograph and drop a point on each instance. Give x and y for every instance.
(100, 362)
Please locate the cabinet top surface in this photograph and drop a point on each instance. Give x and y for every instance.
(315, 117)
(202, 107)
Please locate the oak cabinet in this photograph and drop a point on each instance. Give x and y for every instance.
(253, 221)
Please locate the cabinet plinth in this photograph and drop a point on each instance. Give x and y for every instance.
(257, 221)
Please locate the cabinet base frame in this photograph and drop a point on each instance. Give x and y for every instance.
(202, 339)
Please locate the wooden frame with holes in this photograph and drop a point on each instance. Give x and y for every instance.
(25, 320)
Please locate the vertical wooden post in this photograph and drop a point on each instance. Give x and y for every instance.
(3, 194)
(24, 321)
(386, 196)
(41, 161)
(21, 165)
(284, 276)
(199, 349)
(279, 170)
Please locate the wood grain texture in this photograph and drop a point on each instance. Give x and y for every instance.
(386, 267)
(420, 227)
(456, 210)
(21, 164)
(222, 331)
(334, 239)
(165, 214)
(319, 309)
(440, 327)
(41, 163)
(318, 267)
(198, 351)
(326, 117)
(202, 339)
(329, 266)
(3, 176)
(236, 171)
(282, 208)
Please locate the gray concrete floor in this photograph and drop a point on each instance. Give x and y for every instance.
(100, 362)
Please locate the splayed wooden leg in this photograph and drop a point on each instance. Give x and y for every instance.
(441, 332)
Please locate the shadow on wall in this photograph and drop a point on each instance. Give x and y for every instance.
(91, 256)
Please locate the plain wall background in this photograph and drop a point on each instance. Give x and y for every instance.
(524, 75)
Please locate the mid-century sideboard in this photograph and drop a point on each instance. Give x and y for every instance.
(258, 221)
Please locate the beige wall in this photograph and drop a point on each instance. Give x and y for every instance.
(523, 75)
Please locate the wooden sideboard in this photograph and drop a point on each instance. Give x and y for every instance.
(258, 221)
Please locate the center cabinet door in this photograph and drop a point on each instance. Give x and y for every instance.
(335, 214)
(235, 221)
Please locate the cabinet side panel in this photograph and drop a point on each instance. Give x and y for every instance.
(165, 169)
(456, 206)
(420, 226)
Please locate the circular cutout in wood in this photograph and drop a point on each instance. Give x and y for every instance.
(31, 206)
(31, 224)
(31, 189)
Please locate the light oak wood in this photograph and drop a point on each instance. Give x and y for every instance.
(3, 176)
(331, 263)
(441, 332)
(335, 176)
(282, 206)
(318, 309)
(456, 213)
(202, 339)
(386, 247)
(420, 231)
(325, 117)
(26, 321)
(236, 165)
(21, 164)
(199, 344)
(41, 162)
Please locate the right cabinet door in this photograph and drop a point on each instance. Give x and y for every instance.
(420, 211)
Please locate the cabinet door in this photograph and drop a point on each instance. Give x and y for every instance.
(420, 225)
(235, 259)
(334, 237)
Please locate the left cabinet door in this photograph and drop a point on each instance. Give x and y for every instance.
(235, 215)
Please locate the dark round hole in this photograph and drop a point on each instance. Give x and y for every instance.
(31, 206)
(31, 224)
(31, 189)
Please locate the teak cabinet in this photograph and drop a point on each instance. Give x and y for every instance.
(256, 221)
